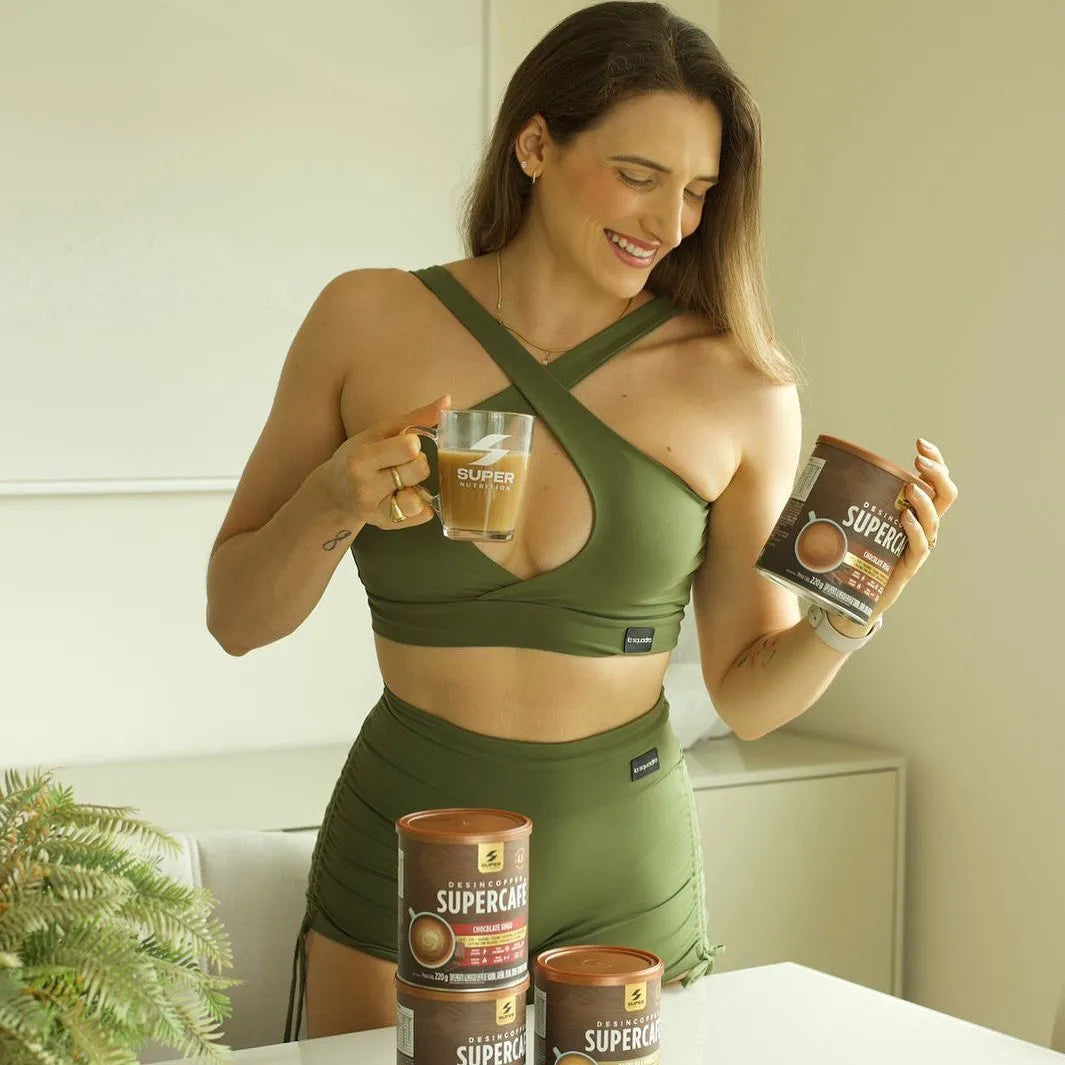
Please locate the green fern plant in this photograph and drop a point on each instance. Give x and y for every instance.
(99, 951)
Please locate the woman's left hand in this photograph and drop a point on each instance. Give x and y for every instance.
(921, 523)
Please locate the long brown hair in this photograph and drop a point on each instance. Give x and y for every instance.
(589, 63)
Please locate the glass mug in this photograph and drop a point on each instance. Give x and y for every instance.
(482, 456)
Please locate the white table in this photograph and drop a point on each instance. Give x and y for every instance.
(771, 1014)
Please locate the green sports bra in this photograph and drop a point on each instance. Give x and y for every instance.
(624, 592)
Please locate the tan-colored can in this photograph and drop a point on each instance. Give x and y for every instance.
(597, 1005)
(466, 1028)
(463, 898)
(840, 535)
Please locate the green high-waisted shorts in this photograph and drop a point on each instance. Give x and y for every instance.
(612, 859)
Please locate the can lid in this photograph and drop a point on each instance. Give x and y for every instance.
(456, 995)
(598, 965)
(885, 464)
(464, 825)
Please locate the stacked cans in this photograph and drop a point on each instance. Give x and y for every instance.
(463, 940)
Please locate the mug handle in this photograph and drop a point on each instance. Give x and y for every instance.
(429, 434)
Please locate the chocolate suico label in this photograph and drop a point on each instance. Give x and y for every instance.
(463, 913)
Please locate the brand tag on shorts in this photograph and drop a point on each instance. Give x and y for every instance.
(638, 641)
(645, 765)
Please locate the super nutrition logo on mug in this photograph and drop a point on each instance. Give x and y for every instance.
(469, 477)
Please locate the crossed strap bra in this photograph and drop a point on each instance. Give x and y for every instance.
(624, 592)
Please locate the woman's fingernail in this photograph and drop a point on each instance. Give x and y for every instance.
(922, 461)
(924, 443)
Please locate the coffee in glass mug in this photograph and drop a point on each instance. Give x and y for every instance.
(482, 457)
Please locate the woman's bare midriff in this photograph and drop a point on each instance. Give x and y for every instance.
(521, 694)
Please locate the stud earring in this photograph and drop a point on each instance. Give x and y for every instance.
(524, 165)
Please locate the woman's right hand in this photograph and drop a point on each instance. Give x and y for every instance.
(359, 473)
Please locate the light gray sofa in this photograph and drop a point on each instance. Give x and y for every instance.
(259, 879)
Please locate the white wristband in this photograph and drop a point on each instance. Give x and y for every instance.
(817, 616)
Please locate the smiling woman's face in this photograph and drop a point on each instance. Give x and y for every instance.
(641, 176)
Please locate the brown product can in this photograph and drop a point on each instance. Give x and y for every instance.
(597, 1005)
(468, 1028)
(840, 535)
(463, 898)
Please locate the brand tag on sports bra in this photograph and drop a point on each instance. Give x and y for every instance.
(638, 641)
(644, 765)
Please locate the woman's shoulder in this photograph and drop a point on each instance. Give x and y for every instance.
(368, 284)
(711, 354)
(712, 369)
(722, 353)
(368, 305)
(382, 288)
(378, 322)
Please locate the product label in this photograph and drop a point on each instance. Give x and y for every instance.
(509, 1051)
(645, 765)
(840, 535)
(635, 998)
(489, 857)
(405, 1030)
(460, 1032)
(540, 1023)
(807, 479)
(613, 1025)
(638, 641)
(506, 1010)
(464, 913)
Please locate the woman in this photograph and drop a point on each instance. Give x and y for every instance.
(615, 289)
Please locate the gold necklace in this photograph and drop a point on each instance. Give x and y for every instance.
(548, 352)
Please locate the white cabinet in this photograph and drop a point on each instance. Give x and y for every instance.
(803, 850)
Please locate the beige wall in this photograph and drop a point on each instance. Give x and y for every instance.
(106, 656)
(103, 651)
(170, 245)
(916, 233)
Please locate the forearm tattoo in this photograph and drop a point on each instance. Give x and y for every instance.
(760, 653)
(342, 535)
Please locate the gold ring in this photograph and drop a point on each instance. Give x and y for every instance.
(396, 479)
(397, 511)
